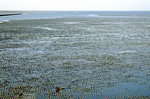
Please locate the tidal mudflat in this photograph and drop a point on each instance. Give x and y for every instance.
(85, 57)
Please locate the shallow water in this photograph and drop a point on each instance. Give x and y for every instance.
(89, 57)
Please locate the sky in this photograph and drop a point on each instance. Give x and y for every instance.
(71, 5)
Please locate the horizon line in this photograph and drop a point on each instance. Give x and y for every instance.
(80, 10)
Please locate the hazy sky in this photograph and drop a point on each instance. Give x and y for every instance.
(75, 5)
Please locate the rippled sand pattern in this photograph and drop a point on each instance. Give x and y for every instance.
(87, 57)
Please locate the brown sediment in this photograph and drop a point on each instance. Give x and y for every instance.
(20, 94)
(57, 89)
(10, 14)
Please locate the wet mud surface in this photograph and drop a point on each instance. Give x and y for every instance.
(83, 57)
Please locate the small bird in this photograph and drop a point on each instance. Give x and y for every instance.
(57, 89)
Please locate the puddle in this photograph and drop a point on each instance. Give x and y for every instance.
(46, 28)
(125, 89)
(71, 22)
(127, 51)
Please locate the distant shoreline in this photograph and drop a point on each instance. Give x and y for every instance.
(10, 14)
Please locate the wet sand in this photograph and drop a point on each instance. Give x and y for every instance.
(88, 57)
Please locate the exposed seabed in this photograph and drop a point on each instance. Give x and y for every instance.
(88, 57)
